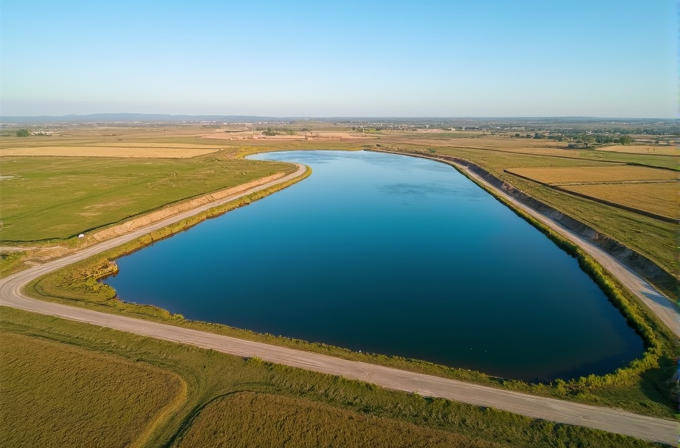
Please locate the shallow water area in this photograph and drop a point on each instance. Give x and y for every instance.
(394, 255)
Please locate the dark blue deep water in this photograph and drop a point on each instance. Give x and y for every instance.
(393, 255)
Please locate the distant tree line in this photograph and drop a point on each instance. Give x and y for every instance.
(581, 139)
(276, 131)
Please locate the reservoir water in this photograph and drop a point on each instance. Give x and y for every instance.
(394, 255)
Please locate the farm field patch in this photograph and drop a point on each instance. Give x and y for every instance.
(601, 174)
(57, 395)
(642, 149)
(59, 197)
(658, 198)
(253, 419)
(111, 150)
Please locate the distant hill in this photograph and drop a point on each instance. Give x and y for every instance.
(113, 118)
(452, 121)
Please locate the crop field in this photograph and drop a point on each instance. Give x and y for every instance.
(85, 399)
(59, 197)
(643, 149)
(172, 152)
(248, 419)
(658, 198)
(590, 175)
(56, 395)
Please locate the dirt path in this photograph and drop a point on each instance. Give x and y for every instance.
(611, 420)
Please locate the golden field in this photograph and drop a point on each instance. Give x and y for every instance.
(642, 149)
(658, 198)
(57, 395)
(123, 150)
(594, 174)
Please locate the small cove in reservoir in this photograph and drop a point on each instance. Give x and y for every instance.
(394, 255)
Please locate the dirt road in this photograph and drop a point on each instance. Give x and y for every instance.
(611, 420)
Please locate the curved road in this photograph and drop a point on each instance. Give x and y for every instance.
(611, 420)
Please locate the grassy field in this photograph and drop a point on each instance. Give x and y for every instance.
(57, 395)
(643, 149)
(249, 419)
(11, 262)
(210, 379)
(659, 198)
(594, 174)
(58, 197)
(646, 189)
(138, 151)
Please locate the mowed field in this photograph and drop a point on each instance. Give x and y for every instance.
(594, 174)
(59, 197)
(642, 149)
(56, 395)
(67, 384)
(112, 150)
(659, 198)
(642, 189)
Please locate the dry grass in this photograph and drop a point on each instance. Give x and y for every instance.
(155, 145)
(659, 198)
(56, 395)
(642, 149)
(252, 419)
(299, 136)
(121, 150)
(478, 141)
(590, 174)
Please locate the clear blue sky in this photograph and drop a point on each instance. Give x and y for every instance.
(613, 58)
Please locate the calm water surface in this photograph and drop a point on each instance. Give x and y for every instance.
(394, 255)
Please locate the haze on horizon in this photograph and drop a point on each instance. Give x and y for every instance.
(601, 58)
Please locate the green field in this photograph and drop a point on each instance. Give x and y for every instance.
(95, 372)
(59, 197)
(57, 395)
(249, 419)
